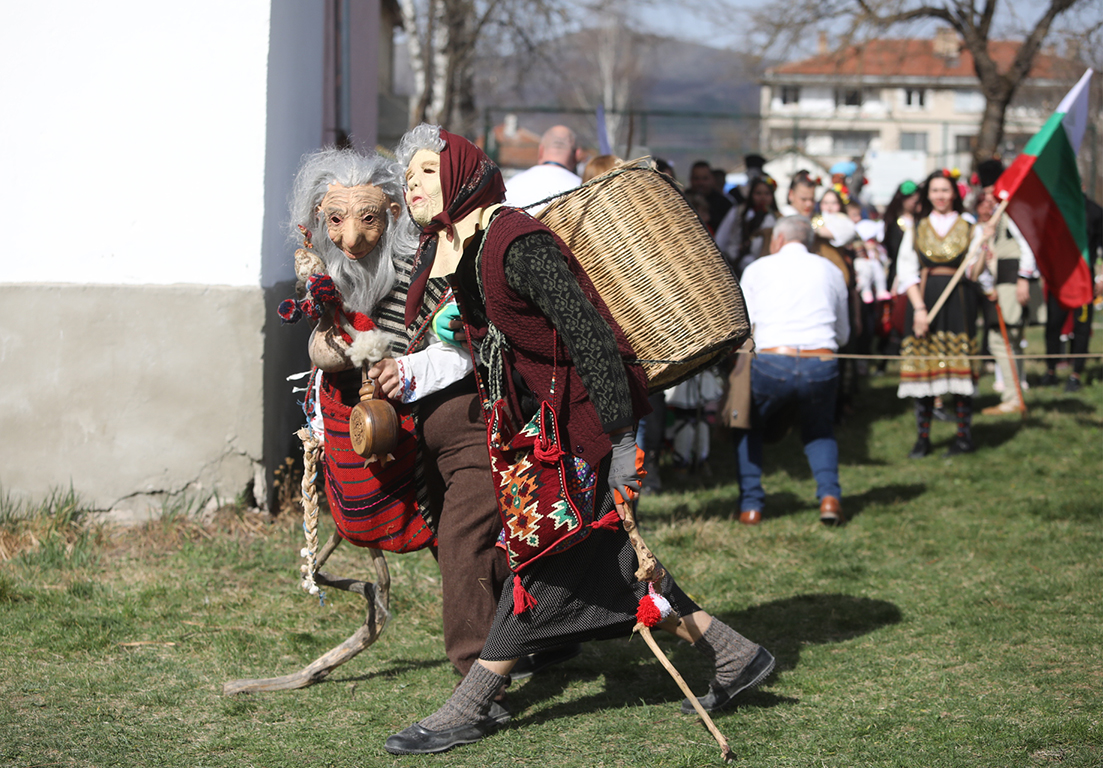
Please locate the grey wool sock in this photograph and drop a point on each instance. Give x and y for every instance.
(728, 651)
(469, 703)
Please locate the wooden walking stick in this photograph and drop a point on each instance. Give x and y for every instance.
(651, 572)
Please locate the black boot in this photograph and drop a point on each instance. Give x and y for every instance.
(924, 408)
(963, 441)
(921, 448)
(739, 664)
(469, 715)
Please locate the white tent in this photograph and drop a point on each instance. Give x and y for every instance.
(782, 168)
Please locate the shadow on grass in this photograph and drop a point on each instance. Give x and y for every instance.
(885, 495)
(632, 674)
(395, 669)
(1069, 405)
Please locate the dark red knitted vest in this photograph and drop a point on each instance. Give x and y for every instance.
(533, 344)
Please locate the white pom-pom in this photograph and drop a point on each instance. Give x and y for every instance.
(662, 604)
(304, 552)
(370, 347)
(314, 589)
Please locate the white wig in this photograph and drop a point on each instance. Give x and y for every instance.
(420, 137)
(365, 281)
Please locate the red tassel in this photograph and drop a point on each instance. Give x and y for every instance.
(547, 451)
(522, 600)
(609, 520)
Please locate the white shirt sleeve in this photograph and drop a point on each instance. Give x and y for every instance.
(842, 310)
(432, 369)
(1028, 266)
(907, 263)
(727, 234)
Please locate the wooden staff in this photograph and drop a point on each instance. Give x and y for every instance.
(964, 263)
(654, 574)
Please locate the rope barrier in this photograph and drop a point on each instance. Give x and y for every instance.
(849, 356)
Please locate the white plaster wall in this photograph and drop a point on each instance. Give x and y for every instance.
(123, 123)
(147, 154)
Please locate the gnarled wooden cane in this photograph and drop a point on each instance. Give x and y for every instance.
(650, 570)
(377, 595)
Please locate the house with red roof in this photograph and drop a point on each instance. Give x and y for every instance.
(920, 97)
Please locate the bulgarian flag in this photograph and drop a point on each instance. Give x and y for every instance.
(1042, 187)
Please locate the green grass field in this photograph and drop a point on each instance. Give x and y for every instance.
(956, 621)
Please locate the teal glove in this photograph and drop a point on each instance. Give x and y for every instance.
(442, 323)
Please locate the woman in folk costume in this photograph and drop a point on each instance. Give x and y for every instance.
(552, 359)
(934, 354)
(745, 231)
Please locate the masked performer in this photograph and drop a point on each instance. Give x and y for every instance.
(362, 240)
(934, 355)
(551, 358)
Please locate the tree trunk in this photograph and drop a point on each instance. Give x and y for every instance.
(990, 133)
(419, 98)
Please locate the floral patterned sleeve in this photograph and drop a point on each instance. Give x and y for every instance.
(536, 269)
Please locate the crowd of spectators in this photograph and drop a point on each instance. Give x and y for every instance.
(865, 243)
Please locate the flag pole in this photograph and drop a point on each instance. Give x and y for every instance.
(961, 270)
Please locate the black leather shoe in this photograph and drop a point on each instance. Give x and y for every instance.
(1049, 380)
(1073, 384)
(527, 666)
(418, 740)
(959, 446)
(718, 696)
(921, 448)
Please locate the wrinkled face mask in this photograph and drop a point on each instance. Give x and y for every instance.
(356, 217)
(424, 196)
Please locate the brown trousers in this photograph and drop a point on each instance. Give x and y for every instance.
(457, 476)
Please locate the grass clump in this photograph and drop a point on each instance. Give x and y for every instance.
(54, 534)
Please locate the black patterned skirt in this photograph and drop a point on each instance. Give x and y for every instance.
(938, 363)
(588, 592)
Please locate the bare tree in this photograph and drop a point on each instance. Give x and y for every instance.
(974, 25)
(786, 25)
(601, 65)
(445, 37)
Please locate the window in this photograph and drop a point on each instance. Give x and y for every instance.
(968, 101)
(790, 94)
(851, 142)
(964, 144)
(848, 97)
(913, 141)
(915, 98)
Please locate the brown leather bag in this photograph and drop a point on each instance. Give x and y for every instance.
(736, 413)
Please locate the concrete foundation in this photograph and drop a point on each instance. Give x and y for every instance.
(136, 395)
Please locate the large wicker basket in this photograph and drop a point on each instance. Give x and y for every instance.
(656, 267)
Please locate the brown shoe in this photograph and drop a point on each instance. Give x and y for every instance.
(750, 516)
(831, 511)
(1002, 409)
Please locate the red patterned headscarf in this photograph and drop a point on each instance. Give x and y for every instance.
(469, 180)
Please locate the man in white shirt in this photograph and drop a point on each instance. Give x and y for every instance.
(797, 303)
(556, 160)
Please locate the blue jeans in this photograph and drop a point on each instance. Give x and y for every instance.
(807, 384)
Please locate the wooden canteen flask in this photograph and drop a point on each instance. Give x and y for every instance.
(373, 423)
